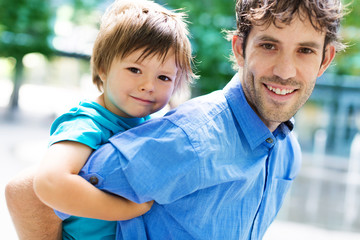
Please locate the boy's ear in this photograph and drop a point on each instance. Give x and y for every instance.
(329, 55)
(102, 75)
(237, 47)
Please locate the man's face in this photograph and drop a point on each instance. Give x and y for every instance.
(280, 68)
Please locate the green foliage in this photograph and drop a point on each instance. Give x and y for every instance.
(353, 6)
(85, 11)
(348, 62)
(25, 27)
(208, 18)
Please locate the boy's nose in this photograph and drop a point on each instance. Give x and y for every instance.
(147, 85)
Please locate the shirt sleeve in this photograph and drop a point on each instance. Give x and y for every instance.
(80, 129)
(155, 161)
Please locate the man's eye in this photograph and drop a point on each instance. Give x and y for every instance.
(164, 78)
(268, 46)
(306, 50)
(134, 70)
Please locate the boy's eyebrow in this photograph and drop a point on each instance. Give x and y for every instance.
(169, 71)
(163, 69)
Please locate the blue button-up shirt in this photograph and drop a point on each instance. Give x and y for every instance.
(213, 168)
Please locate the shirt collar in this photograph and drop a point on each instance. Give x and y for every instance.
(252, 126)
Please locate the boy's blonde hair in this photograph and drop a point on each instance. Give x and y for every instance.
(130, 25)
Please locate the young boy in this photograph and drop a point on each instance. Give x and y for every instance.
(141, 56)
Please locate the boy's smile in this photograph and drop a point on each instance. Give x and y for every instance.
(137, 87)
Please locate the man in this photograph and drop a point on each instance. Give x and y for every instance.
(219, 166)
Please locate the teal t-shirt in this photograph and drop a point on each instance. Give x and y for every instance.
(91, 124)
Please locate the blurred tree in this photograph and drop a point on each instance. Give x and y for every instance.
(24, 28)
(348, 62)
(85, 9)
(208, 18)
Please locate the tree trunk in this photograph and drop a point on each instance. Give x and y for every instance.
(18, 80)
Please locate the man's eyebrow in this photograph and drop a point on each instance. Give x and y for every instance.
(310, 44)
(267, 38)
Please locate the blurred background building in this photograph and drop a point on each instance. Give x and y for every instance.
(44, 70)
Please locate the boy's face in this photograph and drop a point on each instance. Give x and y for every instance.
(138, 88)
(280, 68)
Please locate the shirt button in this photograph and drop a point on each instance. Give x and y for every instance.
(94, 180)
(269, 140)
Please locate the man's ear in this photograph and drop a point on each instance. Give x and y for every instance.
(237, 47)
(328, 57)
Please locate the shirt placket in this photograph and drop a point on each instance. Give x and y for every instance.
(269, 142)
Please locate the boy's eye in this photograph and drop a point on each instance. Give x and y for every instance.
(164, 78)
(134, 70)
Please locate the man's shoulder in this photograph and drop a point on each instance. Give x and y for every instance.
(198, 111)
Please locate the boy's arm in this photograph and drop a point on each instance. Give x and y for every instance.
(58, 185)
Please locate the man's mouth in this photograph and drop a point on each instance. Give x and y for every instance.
(280, 91)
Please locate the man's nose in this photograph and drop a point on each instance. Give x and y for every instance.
(285, 66)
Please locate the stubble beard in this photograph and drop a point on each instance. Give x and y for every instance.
(274, 112)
